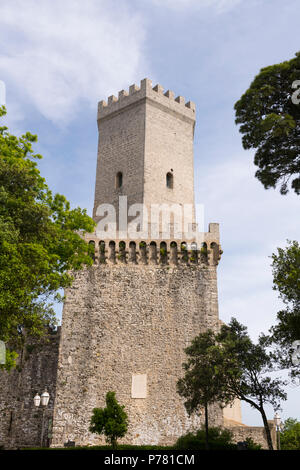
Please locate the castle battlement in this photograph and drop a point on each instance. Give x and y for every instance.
(151, 94)
(205, 249)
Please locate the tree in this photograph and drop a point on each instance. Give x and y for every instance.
(248, 366)
(269, 114)
(111, 421)
(290, 435)
(286, 280)
(40, 242)
(286, 273)
(204, 379)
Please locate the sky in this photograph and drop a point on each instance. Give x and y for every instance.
(58, 58)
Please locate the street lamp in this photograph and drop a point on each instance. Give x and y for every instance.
(45, 398)
(42, 400)
(37, 400)
(277, 421)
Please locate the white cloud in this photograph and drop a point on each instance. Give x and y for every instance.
(56, 53)
(219, 6)
(249, 215)
(253, 223)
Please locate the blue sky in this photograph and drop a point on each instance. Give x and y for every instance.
(58, 58)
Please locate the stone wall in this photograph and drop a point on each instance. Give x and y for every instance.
(21, 423)
(123, 322)
(256, 433)
(124, 329)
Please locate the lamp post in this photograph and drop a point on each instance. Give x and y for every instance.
(42, 400)
(277, 421)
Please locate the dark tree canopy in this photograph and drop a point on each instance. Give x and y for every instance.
(290, 435)
(248, 371)
(286, 281)
(269, 115)
(286, 273)
(204, 382)
(227, 365)
(39, 241)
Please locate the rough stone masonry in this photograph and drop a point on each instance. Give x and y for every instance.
(127, 319)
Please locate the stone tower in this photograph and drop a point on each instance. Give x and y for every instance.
(145, 152)
(128, 318)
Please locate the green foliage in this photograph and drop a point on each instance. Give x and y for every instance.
(290, 435)
(251, 445)
(286, 273)
(111, 421)
(270, 123)
(286, 280)
(249, 367)
(10, 360)
(205, 379)
(219, 439)
(39, 241)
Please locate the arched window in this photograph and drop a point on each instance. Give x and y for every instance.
(163, 253)
(132, 252)
(169, 180)
(92, 249)
(119, 180)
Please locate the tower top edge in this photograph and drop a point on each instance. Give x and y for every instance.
(145, 90)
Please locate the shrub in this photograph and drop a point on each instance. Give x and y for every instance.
(111, 421)
(251, 445)
(219, 439)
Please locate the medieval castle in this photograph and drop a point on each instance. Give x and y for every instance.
(127, 319)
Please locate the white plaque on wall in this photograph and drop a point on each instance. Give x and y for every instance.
(2, 352)
(139, 386)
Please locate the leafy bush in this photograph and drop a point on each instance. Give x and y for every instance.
(219, 439)
(290, 436)
(251, 445)
(111, 421)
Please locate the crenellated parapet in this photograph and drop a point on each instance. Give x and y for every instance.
(204, 249)
(145, 91)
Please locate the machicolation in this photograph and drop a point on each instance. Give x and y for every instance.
(128, 318)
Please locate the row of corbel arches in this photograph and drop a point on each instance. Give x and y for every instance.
(154, 252)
